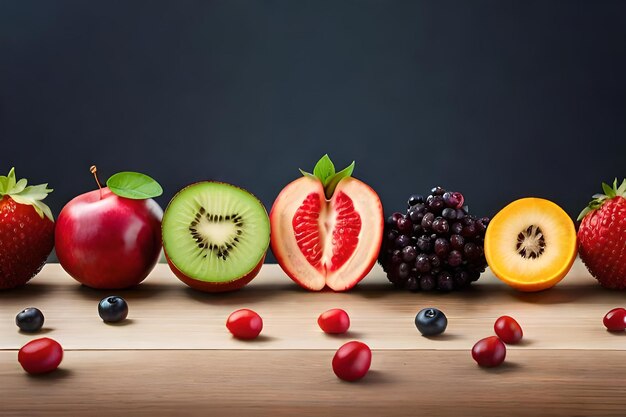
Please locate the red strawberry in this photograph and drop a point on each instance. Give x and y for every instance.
(602, 236)
(26, 230)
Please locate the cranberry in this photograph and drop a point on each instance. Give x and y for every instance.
(244, 324)
(508, 330)
(489, 352)
(352, 361)
(335, 321)
(40, 356)
(615, 320)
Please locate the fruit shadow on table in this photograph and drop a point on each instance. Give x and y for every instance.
(562, 294)
(250, 294)
(31, 290)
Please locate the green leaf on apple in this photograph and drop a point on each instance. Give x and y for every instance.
(134, 185)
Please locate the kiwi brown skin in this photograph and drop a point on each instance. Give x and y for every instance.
(214, 287)
(205, 286)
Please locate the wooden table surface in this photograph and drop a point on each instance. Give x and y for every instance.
(173, 355)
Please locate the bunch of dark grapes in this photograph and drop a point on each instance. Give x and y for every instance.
(436, 245)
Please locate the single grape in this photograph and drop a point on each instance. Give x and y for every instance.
(471, 251)
(457, 242)
(436, 204)
(456, 228)
(461, 279)
(415, 216)
(427, 220)
(423, 243)
(427, 282)
(412, 284)
(396, 257)
(440, 225)
(404, 224)
(445, 281)
(435, 262)
(409, 253)
(415, 199)
(422, 263)
(455, 258)
(442, 247)
(469, 231)
(402, 241)
(403, 270)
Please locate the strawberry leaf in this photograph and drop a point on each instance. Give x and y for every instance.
(583, 213)
(11, 180)
(20, 185)
(621, 191)
(599, 199)
(608, 190)
(22, 193)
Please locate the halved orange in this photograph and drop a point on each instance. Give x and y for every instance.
(531, 244)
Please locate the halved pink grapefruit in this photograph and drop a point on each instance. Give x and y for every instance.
(326, 228)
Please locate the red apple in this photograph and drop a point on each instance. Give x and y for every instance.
(326, 228)
(106, 241)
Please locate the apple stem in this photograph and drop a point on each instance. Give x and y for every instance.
(94, 171)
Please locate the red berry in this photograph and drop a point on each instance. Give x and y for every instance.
(615, 320)
(352, 361)
(335, 321)
(244, 324)
(40, 356)
(508, 330)
(601, 236)
(26, 240)
(489, 352)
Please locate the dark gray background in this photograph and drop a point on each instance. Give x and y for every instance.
(497, 99)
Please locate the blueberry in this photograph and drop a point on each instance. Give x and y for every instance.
(415, 199)
(431, 321)
(29, 320)
(449, 213)
(113, 309)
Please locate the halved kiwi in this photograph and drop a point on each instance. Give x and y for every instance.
(215, 235)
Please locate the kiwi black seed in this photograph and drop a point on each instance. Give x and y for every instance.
(215, 232)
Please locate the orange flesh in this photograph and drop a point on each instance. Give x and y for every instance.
(531, 244)
(344, 225)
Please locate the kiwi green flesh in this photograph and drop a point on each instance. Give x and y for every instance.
(215, 232)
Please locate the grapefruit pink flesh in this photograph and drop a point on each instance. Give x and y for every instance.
(321, 242)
